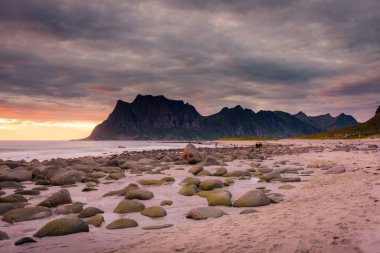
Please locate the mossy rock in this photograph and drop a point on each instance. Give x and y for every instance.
(154, 212)
(129, 206)
(122, 223)
(210, 184)
(5, 207)
(123, 191)
(201, 213)
(264, 169)
(62, 226)
(139, 194)
(162, 181)
(220, 171)
(25, 214)
(42, 182)
(166, 202)
(96, 220)
(40, 188)
(256, 174)
(89, 212)
(188, 190)
(270, 176)
(286, 187)
(115, 176)
(288, 179)
(75, 207)
(219, 198)
(228, 181)
(191, 181)
(252, 198)
(204, 173)
(27, 192)
(3, 236)
(13, 198)
(59, 198)
(195, 169)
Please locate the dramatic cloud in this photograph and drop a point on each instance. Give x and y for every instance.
(71, 60)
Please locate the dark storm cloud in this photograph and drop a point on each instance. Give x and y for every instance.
(210, 53)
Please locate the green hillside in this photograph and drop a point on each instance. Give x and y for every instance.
(366, 129)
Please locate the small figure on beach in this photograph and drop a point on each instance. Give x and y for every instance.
(259, 145)
(216, 144)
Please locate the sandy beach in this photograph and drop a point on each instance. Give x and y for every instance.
(329, 210)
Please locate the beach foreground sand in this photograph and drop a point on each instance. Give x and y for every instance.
(323, 213)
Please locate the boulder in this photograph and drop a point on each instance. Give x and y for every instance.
(166, 202)
(154, 212)
(218, 197)
(201, 213)
(62, 226)
(5, 207)
(10, 185)
(191, 154)
(188, 190)
(286, 187)
(129, 206)
(264, 169)
(66, 177)
(59, 198)
(162, 181)
(252, 198)
(19, 174)
(210, 160)
(73, 208)
(270, 176)
(96, 220)
(210, 184)
(25, 214)
(335, 170)
(228, 181)
(139, 194)
(123, 191)
(191, 181)
(116, 176)
(89, 212)
(13, 198)
(122, 223)
(220, 171)
(3, 236)
(195, 169)
(24, 240)
(27, 192)
(204, 173)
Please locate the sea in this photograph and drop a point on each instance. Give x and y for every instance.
(43, 150)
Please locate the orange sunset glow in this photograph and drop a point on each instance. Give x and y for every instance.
(13, 129)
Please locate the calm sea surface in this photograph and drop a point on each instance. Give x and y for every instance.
(28, 150)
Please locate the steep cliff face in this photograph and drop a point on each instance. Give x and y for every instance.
(157, 118)
(149, 117)
(327, 122)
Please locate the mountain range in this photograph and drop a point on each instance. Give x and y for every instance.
(366, 129)
(158, 118)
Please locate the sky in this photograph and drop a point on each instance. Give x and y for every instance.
(65, 63)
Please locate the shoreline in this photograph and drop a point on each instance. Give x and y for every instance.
(319, 208)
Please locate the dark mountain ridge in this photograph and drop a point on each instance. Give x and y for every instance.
(327, 122)
(159, 118)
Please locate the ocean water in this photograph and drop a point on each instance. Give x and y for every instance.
(41, 150)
